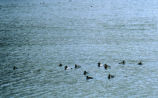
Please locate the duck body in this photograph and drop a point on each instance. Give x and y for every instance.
(14, 68)
(60, 65)
(77, 66)
(66, 67)
(140, 63)
(123, 62)
(88, 77)
(99, 64)
(106, 66)
(85, 72)
(110, 76)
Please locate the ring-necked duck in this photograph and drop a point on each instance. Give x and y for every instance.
(85, 72)
(110, 76)
(140, 63)
(14, 68)
(99, 64)
(66, 67)
(106, 66)
(77, 66)
(60, 65)
(123, 62)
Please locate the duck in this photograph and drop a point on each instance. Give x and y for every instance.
(77, 66)
(140, 63)
(66, 67)
(85, 72)
(14, 68)
(60, 65)
(110, 76)
(123, 62)
(88, 77)
(99, 64)
(106, 66)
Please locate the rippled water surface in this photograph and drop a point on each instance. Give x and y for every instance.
(37, 35)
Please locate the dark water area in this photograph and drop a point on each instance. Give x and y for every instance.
(37, 35)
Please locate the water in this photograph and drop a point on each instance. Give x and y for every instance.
(36, 36)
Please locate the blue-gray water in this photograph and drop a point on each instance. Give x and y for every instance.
(37, 35)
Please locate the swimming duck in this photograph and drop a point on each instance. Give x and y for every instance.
(66, 67)
(89, 77)
(140, 63)
(123, 62)
(77, 66)
(85, 72)
(14, 68)
(106, 66)
(99, 64)
(110, 76)
(60, 65)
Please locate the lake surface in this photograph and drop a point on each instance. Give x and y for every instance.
(37, 35)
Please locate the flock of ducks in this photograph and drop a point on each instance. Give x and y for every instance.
(99, 65)
(85, 72)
